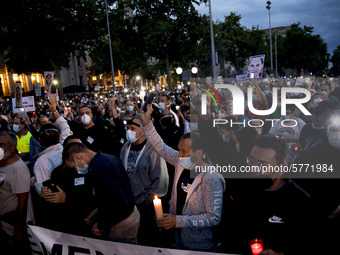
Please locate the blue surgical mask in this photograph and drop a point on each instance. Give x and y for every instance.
(186, 163)
(161, 106)
(279, 105)
(225, 139)
(83, 170)
(193, 127)
(16, 128)
(254, 98)
(129, 108)
(266, 92)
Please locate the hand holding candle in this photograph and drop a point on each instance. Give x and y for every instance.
(158, 207)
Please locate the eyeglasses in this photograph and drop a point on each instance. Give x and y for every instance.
(253, 162)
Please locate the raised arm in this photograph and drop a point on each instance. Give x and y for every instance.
(170, 155)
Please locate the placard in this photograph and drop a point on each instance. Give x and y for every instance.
(27, 104)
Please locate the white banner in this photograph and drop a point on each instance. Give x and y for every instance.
(27, 103)
(44, 241)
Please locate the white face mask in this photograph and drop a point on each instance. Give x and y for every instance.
(129, 108)
(193, 127)
(334, 139)
(131, 136)
(318, 100)
(85, 119)
(161, 106)
(221, 115)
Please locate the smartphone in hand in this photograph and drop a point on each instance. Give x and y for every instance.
(149, 100)
(48, 184)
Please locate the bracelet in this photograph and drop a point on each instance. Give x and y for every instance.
(55, 111)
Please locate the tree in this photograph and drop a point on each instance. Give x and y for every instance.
(41, 35)
(336, 61)
(236, 43)
(303, 50)
(169, 28)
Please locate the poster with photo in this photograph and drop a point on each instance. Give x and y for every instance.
(255, 66)
(18, 95)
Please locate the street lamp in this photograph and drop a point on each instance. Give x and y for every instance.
(270, 37)
(213, 56)
(108, 31)
(194, 70)
(179, 70)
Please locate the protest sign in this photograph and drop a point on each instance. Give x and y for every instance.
(44, 241)
(18, 95)
(255, 66)
(27, 104)
(37, 89)
(242, 78)
(299, 82)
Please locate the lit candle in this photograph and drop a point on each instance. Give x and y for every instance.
(256, 246)
(158, 207)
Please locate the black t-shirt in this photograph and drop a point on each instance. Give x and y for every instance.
(183, 185)
(132, 158)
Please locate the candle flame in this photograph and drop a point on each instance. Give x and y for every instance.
(156, 197)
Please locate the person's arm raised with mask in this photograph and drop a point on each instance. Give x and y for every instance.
(170, 155)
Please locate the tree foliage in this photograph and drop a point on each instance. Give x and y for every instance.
(303, 50)
(336, 61)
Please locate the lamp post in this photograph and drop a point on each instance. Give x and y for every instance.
(276, 71)
(213, 57)
(270, 37)
(108, 31)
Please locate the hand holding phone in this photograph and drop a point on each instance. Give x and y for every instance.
(48, 184)
(149, 100)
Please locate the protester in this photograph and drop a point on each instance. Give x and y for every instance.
(148, 175)
(117, 218)
(71, 201)
(14, 188)
(196, 203)
(270, 208)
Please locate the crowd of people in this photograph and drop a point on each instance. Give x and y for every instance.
(92, 167)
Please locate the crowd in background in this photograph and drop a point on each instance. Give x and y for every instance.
(91, 165)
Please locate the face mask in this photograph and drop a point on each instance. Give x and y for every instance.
(83, 170)
(286, 117)
(221, 115)
(161, 106)
(279, 105)
(318, 100)
(254, 98)
(16, 128)
(225, 139)
(266, 92)
(2, 151)
(186, 163)
(85, 119)
(317, 127)
(193, 127)
(334, 139)
(259, 131)
(131, 136)
(48, 113)
(129, 108)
